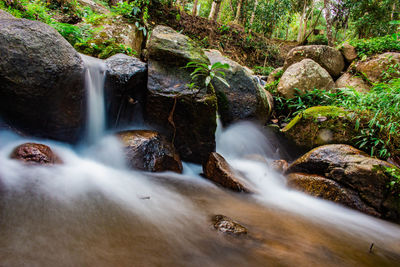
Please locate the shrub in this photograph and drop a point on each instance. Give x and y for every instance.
(378, 45)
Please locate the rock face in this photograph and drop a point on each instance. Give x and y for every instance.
(375, 67)
(125, 88)
(348, 80)
(41, 80)
(218, 170)
(319, 126)
(329, 58)
(227, 226)
(5, 15)
(305, 75)
(245, 98)
(35, 154)
(280, 165)
(353, 170)
(185, 115)
(319, 186)
(149, 151)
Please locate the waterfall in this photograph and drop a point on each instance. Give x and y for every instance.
(95, 70)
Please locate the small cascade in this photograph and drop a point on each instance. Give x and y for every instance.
(94, 83)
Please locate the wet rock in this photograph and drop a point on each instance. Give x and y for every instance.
(41, 80)
(319, 186)
(321, 125)
(219, 171)
(280, 165)
(327, 57)
(349, 52)
(354, 170)
(95, 6)
(125, 88)
(5, 15)
(149, 151)
(35, 154)
(352, 81)
(227, 226)
(304, 76)
(245, 98)
(375, 67)
(183, 114)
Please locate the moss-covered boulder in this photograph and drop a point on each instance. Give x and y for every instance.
(354, 170)
(304, 76)
(321, 125)
(245, 98)
(376, 67)
(186, 115)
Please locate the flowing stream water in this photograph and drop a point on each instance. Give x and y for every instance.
(94, 211)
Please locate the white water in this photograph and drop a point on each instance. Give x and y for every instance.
(94, 82)
(76, 192)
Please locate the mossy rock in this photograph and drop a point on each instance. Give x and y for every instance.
(321, 125)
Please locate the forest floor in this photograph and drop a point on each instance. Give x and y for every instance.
(249, 49)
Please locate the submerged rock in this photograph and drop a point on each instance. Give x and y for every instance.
(245, 98)
(125, 88)
(374, 68)
(321, 125)
(149, 151)
(304, 76)
(41, 80)
(319, 186)
(328, 57)
(219, 171)
(184, 114)
(35, 154)
(227, 226)
(280, 165)
(354, 170)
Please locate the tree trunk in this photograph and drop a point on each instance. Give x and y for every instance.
(253, 13)
(302, 19)
(238, 11)
(194, 10)
(328, 22)
(215, 10)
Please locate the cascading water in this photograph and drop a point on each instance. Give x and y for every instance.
(94, 211)
(94, 83)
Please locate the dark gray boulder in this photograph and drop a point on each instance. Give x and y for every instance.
(125, 90)
(41, 80)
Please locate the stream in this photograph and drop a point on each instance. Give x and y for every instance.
(93, 210)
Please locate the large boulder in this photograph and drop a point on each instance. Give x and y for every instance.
(33, 153)
(321, 125)
(41, 80)
(5, 15)
(354, 170)
(328, 57)
(349, 52)
(149, 151)
(375, 68)
(219, 171)
(125, 88)
(186, 115)
(321, 187)
(352, 81)
(304, 76)
(245, 98)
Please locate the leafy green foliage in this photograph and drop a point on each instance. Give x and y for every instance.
(367, 47)
(103, 49)
(265, 71)
(202, 74)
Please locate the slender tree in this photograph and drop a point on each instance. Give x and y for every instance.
(216, 5)
(238, 11)
(328, 19)
(253, 13)
(194, 10)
